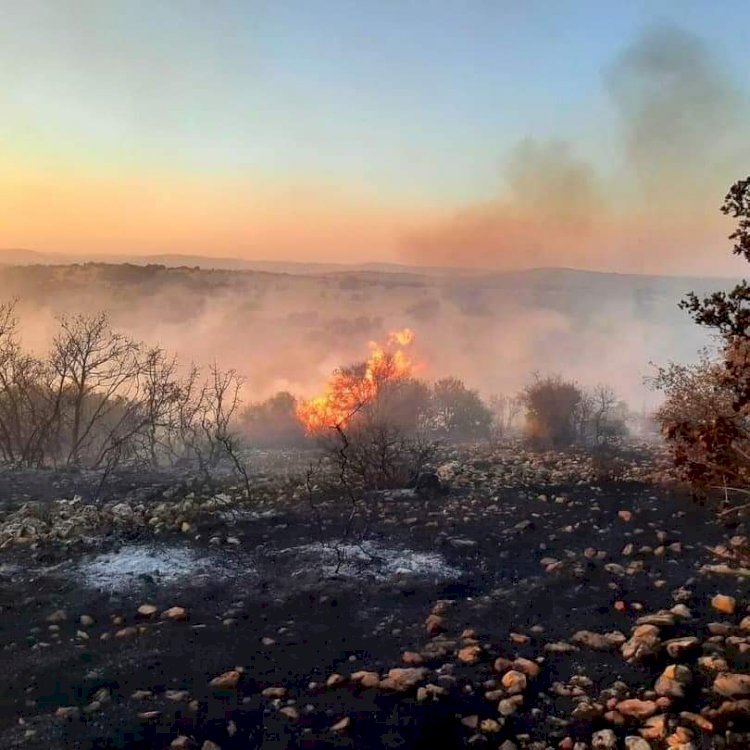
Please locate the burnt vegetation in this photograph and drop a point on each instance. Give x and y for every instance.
(397, 562)
(706, 409)
(100, 400)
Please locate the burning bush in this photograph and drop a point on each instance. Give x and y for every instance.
(369, 417)
(351, 389)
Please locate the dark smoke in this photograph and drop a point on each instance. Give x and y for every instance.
(681, 118)
(680, 144)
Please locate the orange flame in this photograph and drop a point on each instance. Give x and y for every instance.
(350, 389)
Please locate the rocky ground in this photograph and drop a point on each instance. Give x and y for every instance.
(540, 602)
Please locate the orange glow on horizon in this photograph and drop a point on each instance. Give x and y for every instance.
(227, 216)
(140, 215)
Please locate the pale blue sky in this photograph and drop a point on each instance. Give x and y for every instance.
(416, 98)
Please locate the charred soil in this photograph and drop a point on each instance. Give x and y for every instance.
(259, 620)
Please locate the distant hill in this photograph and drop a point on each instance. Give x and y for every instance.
(24, 257)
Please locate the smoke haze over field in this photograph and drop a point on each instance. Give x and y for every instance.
(285, 331)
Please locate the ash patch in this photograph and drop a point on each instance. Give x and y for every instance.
(133, 565)
(8, 570)
(368, 560)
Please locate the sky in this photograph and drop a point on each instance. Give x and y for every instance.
(485, 133)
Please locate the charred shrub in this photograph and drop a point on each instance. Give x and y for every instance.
(559, 413)
(505, 411)
(607, 464)
(383, 445)
(100, 399)
(376, 454)
(697, 409)
(272, 423)
(552, 406)
(601, 417)
(706, 413)
(458, 413)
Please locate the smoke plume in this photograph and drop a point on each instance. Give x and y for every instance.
(679, 144)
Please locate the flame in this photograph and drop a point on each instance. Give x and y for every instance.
(404, 337)
(349, 389)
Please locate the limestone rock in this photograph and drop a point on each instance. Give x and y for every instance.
(731, 685)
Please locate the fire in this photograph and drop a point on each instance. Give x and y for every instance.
(350, 389)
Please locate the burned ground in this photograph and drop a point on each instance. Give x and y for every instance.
(519, 555)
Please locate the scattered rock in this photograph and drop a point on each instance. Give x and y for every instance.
(724, 604)
(335, 680)
(732, 685)
(644, 642)
(655, 727)
(57, 617)
(598, 641)
(514, 682)
(401, 680)
(676, 647)
(67, 712)
(342, 725)
(274, 692)
(604, 739)
(636, 743)
(673, 681)
(365, 679)
(470, 654)
(434, 625)
(637, 709)
(412, 659)
(226, 681)
(174, 613)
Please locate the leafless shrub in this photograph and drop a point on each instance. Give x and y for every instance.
(505, 412)
(100, 400)
(560, 413)
(383, 443)
(601, 416)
